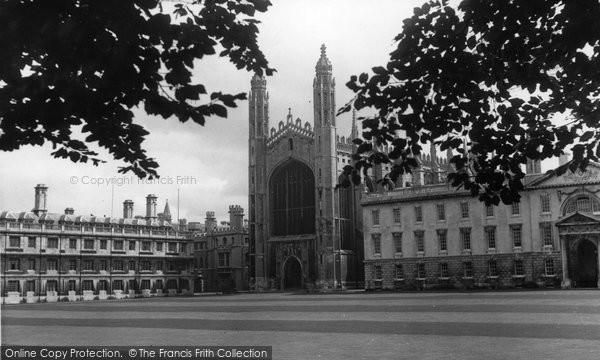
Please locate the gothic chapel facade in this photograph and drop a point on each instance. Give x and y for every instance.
(303, 231)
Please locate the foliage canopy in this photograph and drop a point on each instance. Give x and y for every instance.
(498, 73)
(83, 65)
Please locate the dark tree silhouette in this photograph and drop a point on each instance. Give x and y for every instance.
(69, 66)
(496, 73)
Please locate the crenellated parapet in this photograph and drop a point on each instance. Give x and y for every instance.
(290, 127)
(226, 230)
(344, 144)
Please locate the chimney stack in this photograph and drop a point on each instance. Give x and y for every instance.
(210, 222)
(69, 211)
(41, 192)
(564, 158)
(236, 217)
(128, 209)
(151, 207)
(533, 167)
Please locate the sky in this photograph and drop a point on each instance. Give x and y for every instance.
(208, 166)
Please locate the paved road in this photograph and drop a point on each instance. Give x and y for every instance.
(497, 325)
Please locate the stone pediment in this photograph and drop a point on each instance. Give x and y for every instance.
(578, 218)
(590, 175)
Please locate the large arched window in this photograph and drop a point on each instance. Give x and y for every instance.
(582, 203)
(292, 199)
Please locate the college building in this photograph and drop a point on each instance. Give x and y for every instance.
(56, 257)
(221, 253)
(304, 232)
(426, 234)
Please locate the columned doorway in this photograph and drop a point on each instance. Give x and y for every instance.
(292, 270)
(586, 266)
(579, 238)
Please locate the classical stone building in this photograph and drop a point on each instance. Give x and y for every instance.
(52, 256)
(434, 236)
(221, 254)
(303, 231)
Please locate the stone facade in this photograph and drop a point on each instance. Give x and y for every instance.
(221, 254)
(434, 236)
(67, 257)
(303, 231)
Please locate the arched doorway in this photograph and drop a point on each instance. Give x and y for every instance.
(586, 269)
(292, 274)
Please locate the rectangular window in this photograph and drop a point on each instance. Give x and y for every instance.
(31, 285)
(72, 243)
(159, 266)
(546, 234)
(132, 266)
(103, 244)
(490, 236)
(117, 265)
(131, 245)
(103, 265)
(159, 284)
(14, 264)
(51, 285)
(420, 241)
(118, 285)
(145, 284)
(183, 247)
(172, 247)
(442, 236)
(102, 285)
(443, 270)
(397, 215)
(31, 264)
(14, 241)
(492, 268)
(118, 244)
(515, 233)
(441, 212)
(223, 259)
(418, 213)
(545, 202)
(489, 210)
(519, 267)
(465, 238)
(52, 243)
(515, 208)
(88, 244)
(52, 264)
(378, 272)
(464, 210)
(88, 265)
(468, 269)
(72, 285)
(376, 238)
(13, 285)
(31, 242)
(399, 271)
(421, 271)
(72, 264)
(549, 266)
(88, 285)
(375, 216)
(146, 265)
(397, 242)
(159, 246)
(146, 245)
